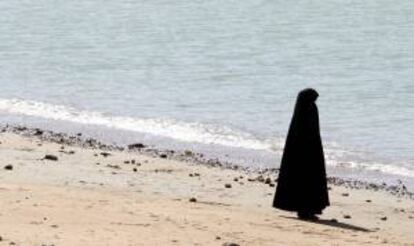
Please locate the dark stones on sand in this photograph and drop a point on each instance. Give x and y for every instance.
(272, 185)
(228, 186)
(368, 201)
(347, 216)
(236, 180)
(188, 153)
(8, 167)
(334, 221)
(345, 194)
(163, 156)
(192, 199)
(384, 218)
(135, 169)
(126, 162)
(51, 158)
(136, 146)
(218, 238)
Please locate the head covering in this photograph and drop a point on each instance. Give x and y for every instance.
(302, 178)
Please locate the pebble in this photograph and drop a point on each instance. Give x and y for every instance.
(347, 216)
(8, 167)
(135, 169)
(230, 244)
(136, 146)
(193, 199)
(51, 158)
(345, 194)
(228, 186)
(105, 154)
(384, 218)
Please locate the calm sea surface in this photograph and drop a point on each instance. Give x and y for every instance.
(217, 75)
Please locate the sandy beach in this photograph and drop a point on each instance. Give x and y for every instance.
(91, 196)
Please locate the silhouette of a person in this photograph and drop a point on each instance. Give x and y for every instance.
(302, 185)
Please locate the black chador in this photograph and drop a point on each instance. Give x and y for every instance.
(302, 179)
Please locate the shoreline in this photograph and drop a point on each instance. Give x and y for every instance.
(54, 189)
(262, 175)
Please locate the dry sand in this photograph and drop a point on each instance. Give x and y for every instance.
(85, 198)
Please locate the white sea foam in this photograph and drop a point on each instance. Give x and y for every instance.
(185, 131)
(399, 170)
(179, 130)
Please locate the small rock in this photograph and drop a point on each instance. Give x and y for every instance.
(105, 154)
(368, 200)
(135, 169)
(218, 238)
(272, 185)
(191, 175)
(345, 194)
(132, 161)
(136, 146)
(193, 199)
(126, 162)
(188, 153)
(260, 178)
(235, 179)
(384, 218)
(38, 132)
(347, 216)
(230, 244)
(228, 186)
(113, 166)
(51, 158)
(334, 220)
(164, 156)
(8, 167)
(268, 181)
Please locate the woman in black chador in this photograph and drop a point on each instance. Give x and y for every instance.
(302, 179)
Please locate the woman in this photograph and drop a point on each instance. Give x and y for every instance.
(302, 178)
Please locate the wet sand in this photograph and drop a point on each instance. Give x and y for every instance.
(87, 193)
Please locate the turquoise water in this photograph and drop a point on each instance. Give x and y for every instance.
(218, 74)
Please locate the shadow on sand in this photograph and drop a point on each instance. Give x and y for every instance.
(333, 223)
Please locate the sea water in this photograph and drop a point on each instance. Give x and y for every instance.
(219, 77)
